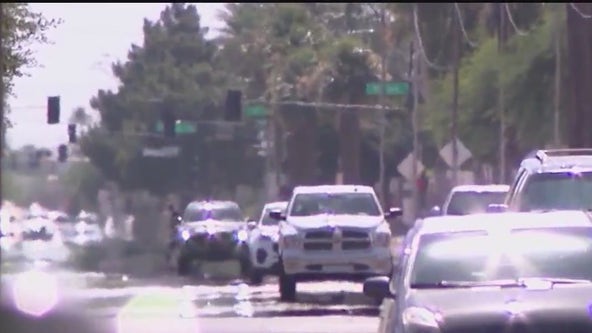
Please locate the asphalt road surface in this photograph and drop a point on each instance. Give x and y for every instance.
(41, 296)
(82, 302)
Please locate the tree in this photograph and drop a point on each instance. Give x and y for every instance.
(579, 28)
(176, 68)
(21, 27)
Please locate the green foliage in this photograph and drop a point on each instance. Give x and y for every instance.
(21, 27)
(527, 72)
(318, 52)
(82, 182)
(175, 69)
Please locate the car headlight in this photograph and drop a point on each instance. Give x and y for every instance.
(416, 316)
(185, 235)
(291, 241)
(242, 235)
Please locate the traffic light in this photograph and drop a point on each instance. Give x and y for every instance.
(72, 133)
(62, 153)
(53, 109)
(168, 123)
(233, 110)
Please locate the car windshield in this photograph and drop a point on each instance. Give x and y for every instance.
(310, 204)
(464, 203)
(226, 213)
(564, 190)
(266, 219)
(526, 253)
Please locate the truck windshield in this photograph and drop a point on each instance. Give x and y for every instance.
(309, 204)
(561, 190)
(232, 214)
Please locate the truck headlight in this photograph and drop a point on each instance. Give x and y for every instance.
(416, 316)
(382, 239)
(291, 241)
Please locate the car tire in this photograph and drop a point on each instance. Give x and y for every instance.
(287, 286)
(183, 265)
(250, 273)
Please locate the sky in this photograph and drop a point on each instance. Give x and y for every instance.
(77, 62)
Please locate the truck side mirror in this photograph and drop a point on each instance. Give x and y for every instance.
(393, 212)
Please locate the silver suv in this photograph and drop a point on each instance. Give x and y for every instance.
(559, 179)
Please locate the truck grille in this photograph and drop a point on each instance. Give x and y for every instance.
(324, 240)
(324, 234)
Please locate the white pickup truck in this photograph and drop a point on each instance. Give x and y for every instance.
(332, 232)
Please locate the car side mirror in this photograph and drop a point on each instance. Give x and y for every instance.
(277, 215)
(497, 208)
(251, 225)
(393, 212)
(435, 211)
(377, 287)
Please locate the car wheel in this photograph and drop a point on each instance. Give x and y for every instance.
(287, 286)
(183, 265)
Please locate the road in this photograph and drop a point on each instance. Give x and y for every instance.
(95, 302)
(173, 305)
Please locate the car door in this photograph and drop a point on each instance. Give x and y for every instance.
(388, 309)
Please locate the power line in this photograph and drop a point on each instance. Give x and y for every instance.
(462, 26)
(511, 19)
(577, 10)
(420, 42)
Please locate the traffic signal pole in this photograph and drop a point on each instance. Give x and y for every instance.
(382, 124)
(2, 93)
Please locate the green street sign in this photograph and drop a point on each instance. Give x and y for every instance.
(391, 88)
(181, 127)
(255, 111)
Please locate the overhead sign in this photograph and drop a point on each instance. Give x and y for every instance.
(390, 88)
(170, 151)
(463, 153)
(405, 168)
(181, 127)
(255, 111)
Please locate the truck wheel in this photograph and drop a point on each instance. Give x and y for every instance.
(183, 265)
(287, 286)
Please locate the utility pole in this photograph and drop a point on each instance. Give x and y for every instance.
(382, 124)
(557, 90)
(454, 123)
(501, 39)
(2, 93)
(414, 125)
(272, 150)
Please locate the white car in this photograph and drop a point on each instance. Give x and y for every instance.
(262, 244)
(472, 199)
(333, 232)
(83, 233)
